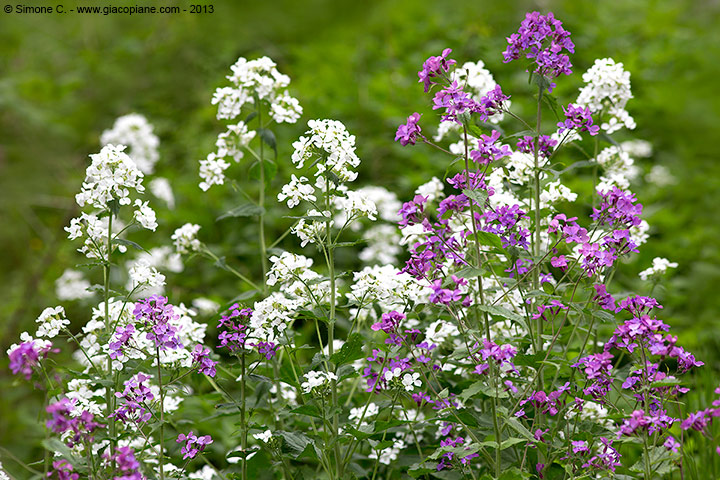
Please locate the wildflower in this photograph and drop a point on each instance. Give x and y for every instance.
(212, 171)
(51, 321)
(607, 91)
(542, 39)
(264, 436)
(62, 470)
(411, 380)
(136, 132)
(157, 314)
(185, 238)
(296, 191)
(193, 444)
(487, 151)
(25, 356)
(201, 356)
(315, 380)
(110, 176)
(659, 266)
(71, 285)
(434, 68)
(578, 118)
(409, 132)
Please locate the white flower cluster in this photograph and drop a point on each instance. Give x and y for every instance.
(95, 230)
(272, 316)
(185, 238)
(556, 192)
(477, 81)
(387, 287)
(607, 92)
(251, 78)
(296, 191)
(264, 436)
(212, 171)
(80, 391)
(110, 176)
(354, 205)
(232, 142)
(330, 141)
(370, 411)
(145, 278)
(315, 379)
(389, 454)
(433, 189)
(383, 245)
(38, 344)
(296, 278)
(618, 169)
(51, 321)
(386, 202)
(161, 188)
(659, 266)
(71, 285)
(136, 132)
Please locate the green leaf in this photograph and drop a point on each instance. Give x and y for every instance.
(478, 196)
(270, 170)
(469, 272)
(474, 130)
(267, 136)
(502, 312)
(351, 350)
(489, 240)
(417, 470)
(128, 243)
(513, 474)
(309, 410)
(295, 441)
(244, 210)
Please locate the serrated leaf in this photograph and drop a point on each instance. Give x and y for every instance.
(244, 210)
(469, 272)
(296, 442)
(267, 136)
(309, 410)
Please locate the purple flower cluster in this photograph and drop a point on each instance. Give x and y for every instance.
(501, 354)
(598, 369)
(408, 133)
(488, 150)
(606, 457)
(446, 296)
(618, 208)
(156, 314)
(544, 145)
(389, 322)
(434, 68)
(411, 211)
(26, 355)
(454, 100)
(135, 397)
(62, 470)
(578, 118)
(447, 457)
(201, 357)
(547, 403)
(193, 444)
(553, 308)
(126, 465)
(234, 325)
(121, 338)
(650, 423)
(542, 39)
(504, 221)
(61, 421)
(492, 103)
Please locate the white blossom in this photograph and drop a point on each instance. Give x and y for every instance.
(185, 238)
(315, 379)
(296, 191)
(72, 286)
(607, 92)
(110, 176)
(659, 266)
(136, 132)
(411, 380)
(212, 171)
(264, 436)
(51, 321)
(145, 215)
(161, 188)
(433, 189)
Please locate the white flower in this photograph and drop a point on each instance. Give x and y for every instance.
(109, 177)
(232, 142)
(143, 275)
(72, 286)
(357, 413)
(185, 238)
(355, 205)
(389, 454)
(383, 245)
(161, 188)
(286, 267)
(432, 190)
(315, 379)
(330, 140)
(145, 215)
(162, 258)
(659, 266)
(264, 436)
(411, 380)
(136, 132)
(394, 373)
(387, 202)
(205, 305)
(296, 191)
(212, 171)
(555, 192)
(257, 77)
(51, 321)
(607, 91)
(311, 230)
(660, 175)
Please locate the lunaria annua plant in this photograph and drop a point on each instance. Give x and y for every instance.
(499, 349)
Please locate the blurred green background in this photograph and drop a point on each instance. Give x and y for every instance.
(65, 78)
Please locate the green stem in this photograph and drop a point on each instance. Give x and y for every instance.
(109, 392)
(161, 455)
(243, 426)
(261, 203)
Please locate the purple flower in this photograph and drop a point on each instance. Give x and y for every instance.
(201, 356)
(135, 397)
(454, 100)
(580, 446)
(411, 211)
(233, 325)
(193, 444)
(157, 315)
(26, 355)
(490, 104)
(618, 208)
(542, 39)
(671, 444)
(266, 348)
(409, 132)
(126, 466)
(597, 368)
(527, 145)
(487, 150)
(61, 420)
(389, 322)
(578, 118)
(121, 338)
(435, 67)
(605, 458)
(62, 470)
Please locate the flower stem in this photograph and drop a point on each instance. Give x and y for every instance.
(161, 455)
(261, 203)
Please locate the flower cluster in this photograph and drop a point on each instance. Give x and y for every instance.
(136, 133)
(193, 444)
